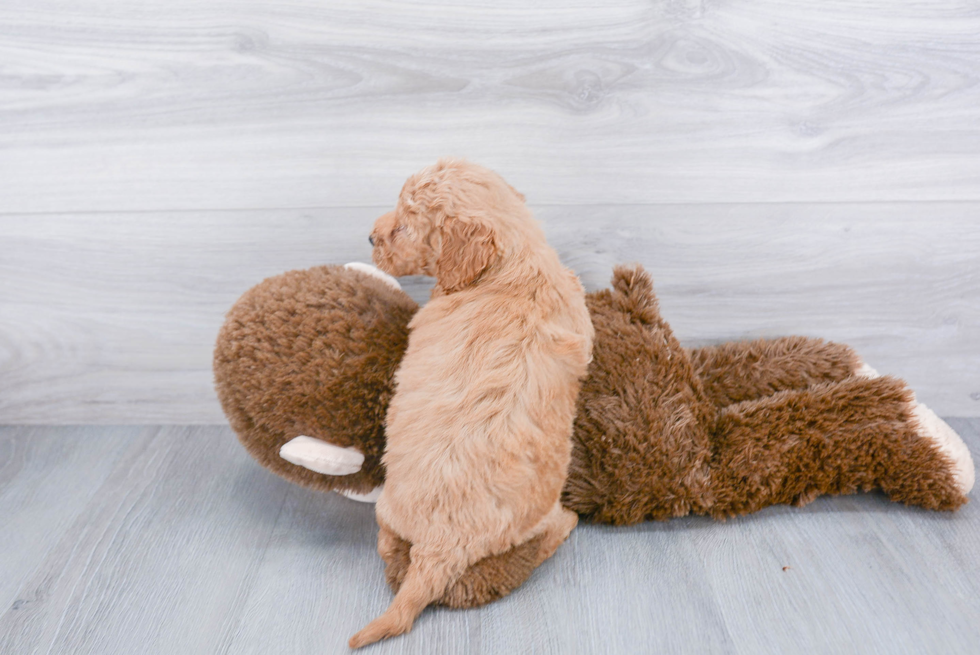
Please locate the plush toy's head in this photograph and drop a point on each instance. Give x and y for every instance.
(314, 353)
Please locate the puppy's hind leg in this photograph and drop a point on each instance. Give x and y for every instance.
(426, 580)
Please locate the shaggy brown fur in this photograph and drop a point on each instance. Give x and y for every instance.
(787, 442)
(491, 578)
(479, 429)
(313, 352)
(833, 438)
(747, 370)
(771, 421)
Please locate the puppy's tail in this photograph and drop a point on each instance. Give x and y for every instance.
(425, 581)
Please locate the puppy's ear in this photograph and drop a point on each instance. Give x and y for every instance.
(517, 193)
(468, 248)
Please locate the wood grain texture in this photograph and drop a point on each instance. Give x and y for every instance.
(45, 484)
(780, 166)
(176, 542)
(167, 511)
(191, 104)
(112, 318)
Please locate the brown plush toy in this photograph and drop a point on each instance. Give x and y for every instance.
(304, 367)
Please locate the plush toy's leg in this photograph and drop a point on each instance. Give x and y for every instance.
(835, 438)
(746, 370)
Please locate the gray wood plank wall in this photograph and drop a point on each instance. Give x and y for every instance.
(779, 166)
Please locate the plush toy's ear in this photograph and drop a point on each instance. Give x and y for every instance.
(468, 248)
(374, 271)
(634, 293)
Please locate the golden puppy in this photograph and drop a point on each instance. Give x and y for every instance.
(479, 428)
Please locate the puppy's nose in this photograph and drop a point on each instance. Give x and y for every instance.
(371, 240)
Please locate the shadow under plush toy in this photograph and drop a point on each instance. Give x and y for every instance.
(304, 369)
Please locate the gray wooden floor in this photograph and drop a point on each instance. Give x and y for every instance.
(171, 540)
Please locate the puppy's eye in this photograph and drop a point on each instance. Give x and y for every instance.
(400, 228)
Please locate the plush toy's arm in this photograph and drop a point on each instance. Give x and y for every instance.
(747, 370)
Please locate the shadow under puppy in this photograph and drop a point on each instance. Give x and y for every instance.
(479, 427)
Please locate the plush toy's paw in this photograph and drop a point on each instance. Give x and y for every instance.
(375, 271)
(949, 443)
(321, 456)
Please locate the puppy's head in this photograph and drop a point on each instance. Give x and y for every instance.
(446, 224)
